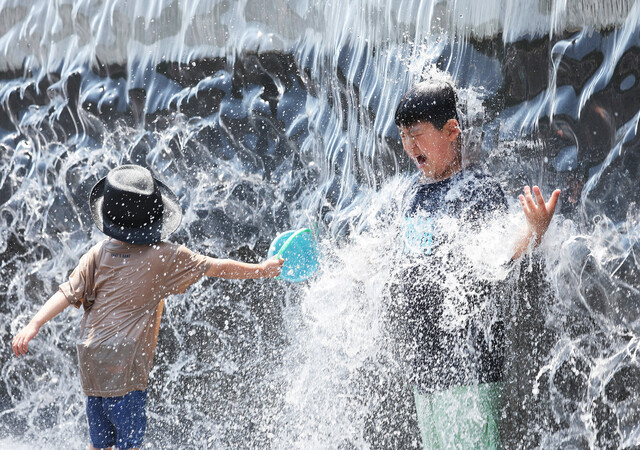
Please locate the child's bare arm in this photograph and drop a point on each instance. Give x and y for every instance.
(54, 306)
(538, 214)
(228, 268)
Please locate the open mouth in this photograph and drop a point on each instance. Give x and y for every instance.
(420, 159)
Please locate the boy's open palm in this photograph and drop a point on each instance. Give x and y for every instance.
(538, 212)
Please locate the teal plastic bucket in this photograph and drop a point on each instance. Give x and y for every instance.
(300, 253)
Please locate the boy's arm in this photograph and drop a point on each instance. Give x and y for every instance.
(54, 306)
(228, 268)
(538, 214)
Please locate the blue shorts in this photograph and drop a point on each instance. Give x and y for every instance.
(119, 421)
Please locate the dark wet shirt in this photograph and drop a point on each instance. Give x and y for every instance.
(453, 332)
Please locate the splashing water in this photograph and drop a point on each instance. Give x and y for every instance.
(267, 116)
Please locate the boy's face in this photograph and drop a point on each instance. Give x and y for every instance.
(433, 151)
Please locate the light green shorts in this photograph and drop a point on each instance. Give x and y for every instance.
(462, 417)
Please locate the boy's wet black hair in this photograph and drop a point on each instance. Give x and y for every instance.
(428, 101)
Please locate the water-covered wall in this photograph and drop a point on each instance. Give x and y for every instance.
(264, 116)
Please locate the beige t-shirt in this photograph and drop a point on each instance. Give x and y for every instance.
(121, 287)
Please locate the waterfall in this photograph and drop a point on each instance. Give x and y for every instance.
(264, 116)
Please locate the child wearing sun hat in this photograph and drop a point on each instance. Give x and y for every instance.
(121, 283)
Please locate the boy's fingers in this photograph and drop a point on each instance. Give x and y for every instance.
(553, 200)
(538, 194)
(528, 197)
(523, 202)
(17, 347)
(24, 345)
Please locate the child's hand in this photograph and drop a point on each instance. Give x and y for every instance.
(272, 267)
(21, 340)
(538, 212)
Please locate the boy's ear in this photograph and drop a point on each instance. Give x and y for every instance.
(452, 128)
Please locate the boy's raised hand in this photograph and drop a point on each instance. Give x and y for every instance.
(538, 212)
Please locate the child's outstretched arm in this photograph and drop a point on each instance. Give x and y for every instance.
(228, 268)
(538, 214)
(54, 306)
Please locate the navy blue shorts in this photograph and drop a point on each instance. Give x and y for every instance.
(119, 421)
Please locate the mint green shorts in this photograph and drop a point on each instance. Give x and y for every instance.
(462, 417)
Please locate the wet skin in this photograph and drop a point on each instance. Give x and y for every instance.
(434, 152)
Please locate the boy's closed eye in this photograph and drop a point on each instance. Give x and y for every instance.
(410, 134)
(415, 131)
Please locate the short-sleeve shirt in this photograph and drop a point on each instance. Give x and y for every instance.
(121, 287)
(444, 328)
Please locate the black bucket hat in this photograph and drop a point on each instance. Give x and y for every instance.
(130, 205)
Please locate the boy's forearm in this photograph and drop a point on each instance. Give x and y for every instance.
(523, 243)
(56, 303)
(228, 268)
(54, 306)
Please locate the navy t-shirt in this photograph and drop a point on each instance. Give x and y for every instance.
(453, 334)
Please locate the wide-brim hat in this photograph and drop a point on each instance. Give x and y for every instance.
(130, 205)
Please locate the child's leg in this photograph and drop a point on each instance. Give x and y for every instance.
(101, 430)
(128, 416)
(460, 417)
